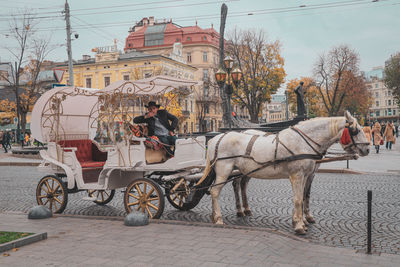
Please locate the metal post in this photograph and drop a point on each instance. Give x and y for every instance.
(287, 104)
(347, 164)
(369, 222)
(69, 50)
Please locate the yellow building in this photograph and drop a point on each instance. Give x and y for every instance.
(109, 66)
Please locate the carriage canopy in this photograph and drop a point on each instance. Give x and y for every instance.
(69, 111)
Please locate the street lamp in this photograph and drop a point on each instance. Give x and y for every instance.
(224, 78)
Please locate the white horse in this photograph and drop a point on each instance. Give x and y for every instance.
(292, 153)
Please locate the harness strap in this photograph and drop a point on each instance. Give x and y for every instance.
(308, 143)
(217, 146)
(250, 144)
(302, 133)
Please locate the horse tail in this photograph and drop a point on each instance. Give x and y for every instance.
(206, 172)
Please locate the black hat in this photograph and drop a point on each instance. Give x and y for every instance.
(152, 104)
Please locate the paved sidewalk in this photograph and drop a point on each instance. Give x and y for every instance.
(99, 242)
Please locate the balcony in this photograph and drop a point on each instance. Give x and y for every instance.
(210, 98)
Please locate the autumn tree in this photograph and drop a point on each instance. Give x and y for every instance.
(262, 67)
(337, 77)
(392, 76)
(311, 98)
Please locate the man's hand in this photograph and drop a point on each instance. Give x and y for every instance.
(171, 133)
(150, 114)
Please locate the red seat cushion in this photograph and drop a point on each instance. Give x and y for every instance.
(83, 153)
(92, 164)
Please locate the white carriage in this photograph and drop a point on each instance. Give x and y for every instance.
(74, 122)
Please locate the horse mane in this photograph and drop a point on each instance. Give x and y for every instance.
(333, 125)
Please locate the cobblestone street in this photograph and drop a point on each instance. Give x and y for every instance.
(338, 202)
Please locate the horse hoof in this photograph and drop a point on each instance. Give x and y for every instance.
(240, 214)
(247, 212)
(305, 222)
(219, 222)
(310, 219)
(300, 230)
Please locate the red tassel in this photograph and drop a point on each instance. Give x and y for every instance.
(345, 139)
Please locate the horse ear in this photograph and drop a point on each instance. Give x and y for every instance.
(348, 116)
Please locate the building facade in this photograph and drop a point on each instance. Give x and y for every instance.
(199, 48)
(384, 106)
(110, 65)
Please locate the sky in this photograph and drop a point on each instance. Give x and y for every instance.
(305, 28)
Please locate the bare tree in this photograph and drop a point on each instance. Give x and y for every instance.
(205, 99)
(335, 75)
(21, 30)
(262, 67)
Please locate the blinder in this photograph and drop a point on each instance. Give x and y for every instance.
(353, 131)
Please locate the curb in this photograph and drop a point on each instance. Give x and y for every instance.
(346, 171)
(23, 241)
(19, 163)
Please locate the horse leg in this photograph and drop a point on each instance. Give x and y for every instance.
(236, 187)
(243, 186)
(297, 181)
(222, 173)
(306, 200)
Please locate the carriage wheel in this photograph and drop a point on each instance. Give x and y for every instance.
(52, 193)
(102, 196)
(144, 195)
(180, 195)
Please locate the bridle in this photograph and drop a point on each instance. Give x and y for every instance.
(353, 131)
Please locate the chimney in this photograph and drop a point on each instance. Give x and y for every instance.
(85, 57)
(151, 20)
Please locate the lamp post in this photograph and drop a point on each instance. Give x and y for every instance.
(224, 77)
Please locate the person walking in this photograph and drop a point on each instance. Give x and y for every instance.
(396, 128)
(368, 132)
(389, 135)
(1, 140)
(7, 140)
(376, 131)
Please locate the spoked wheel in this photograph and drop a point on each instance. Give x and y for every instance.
(102, 196)
(144, 195)
(181, 196)
(52, 193)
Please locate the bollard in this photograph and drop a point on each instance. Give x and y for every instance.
(369, 222)
(347, 164)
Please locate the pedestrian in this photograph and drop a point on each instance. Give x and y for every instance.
(21, 139)
(27, 140)
(368, 132)
(161, 124)
(389, 135)
(7, 138)
(396, 128)
(1, 140)
(378, 140)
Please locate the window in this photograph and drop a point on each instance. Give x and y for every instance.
(88, 82)
(205, 90)
(376, 85)
(389, 93)
(204, 38)
(126, 77)
(205, 74)
(106, 81)
(148, 74)
(377, 103)
(188, 39)
(377, 113)
(376, 94)
(389, 102)
(206, 109)
(189, 57)
(191, 106)
(178, 40)
(191, 127)
(205, 57)
(186, 105)
(394, 112)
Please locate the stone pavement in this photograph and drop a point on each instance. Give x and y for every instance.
(97, 242)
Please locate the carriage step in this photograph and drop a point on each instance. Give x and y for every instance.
(89, 198)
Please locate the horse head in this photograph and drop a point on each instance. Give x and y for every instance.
(353, 139)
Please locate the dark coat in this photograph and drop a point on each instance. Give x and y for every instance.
(164, 117)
